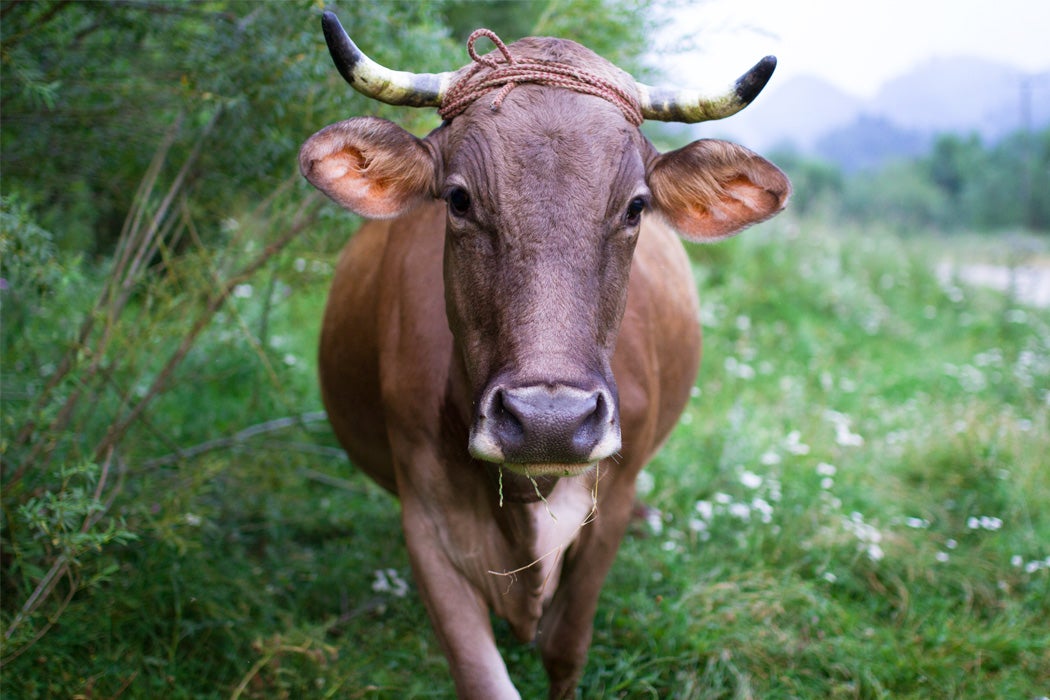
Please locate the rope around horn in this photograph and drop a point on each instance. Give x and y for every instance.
(509, 72)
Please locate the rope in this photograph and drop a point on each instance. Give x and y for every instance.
(509, 72)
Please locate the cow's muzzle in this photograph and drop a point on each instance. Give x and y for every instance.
(545, 428)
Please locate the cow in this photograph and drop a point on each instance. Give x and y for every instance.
(514, 333)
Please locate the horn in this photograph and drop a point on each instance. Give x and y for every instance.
(673, 105)
(373, 80)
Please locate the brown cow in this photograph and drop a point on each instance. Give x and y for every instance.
(513, 343)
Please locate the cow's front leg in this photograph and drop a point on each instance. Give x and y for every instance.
(457, 610)
(564, 634)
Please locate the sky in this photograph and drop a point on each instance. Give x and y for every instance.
(857, 46)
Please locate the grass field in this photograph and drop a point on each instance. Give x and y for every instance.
(856, 504)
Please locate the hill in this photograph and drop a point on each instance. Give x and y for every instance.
(955, 95)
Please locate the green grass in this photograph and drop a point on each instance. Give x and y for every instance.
(854, 505)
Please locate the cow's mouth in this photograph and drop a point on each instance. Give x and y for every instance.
(535, 470)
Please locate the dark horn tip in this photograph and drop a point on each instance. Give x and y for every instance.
(328, 19)
(752, 82)
(344, 54)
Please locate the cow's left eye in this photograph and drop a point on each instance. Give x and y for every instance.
(634, 211)
(459, 202)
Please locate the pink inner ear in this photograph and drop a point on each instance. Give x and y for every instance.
(335, 166)
(369, 166)
(739, 204)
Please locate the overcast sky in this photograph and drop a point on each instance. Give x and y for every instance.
(855, 45)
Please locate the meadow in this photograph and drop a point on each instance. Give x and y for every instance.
(856, 503)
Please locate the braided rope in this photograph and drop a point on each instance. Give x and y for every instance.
(509, 72)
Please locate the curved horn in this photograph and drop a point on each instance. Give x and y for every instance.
(672, 105)
(373, 80)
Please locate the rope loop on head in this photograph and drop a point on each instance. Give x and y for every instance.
(504, 75)
(491, 36)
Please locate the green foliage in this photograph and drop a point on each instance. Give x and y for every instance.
(57, 516)
(962, 184)
(118, 76)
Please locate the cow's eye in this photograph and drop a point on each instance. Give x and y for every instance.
(458, 201)
(634, 211)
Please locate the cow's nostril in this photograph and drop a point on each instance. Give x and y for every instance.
(508, 422)
(546, 423)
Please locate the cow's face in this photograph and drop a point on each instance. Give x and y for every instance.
(545, 200)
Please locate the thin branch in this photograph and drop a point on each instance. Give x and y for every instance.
(238, 438)
(306, 216)
(69, 361)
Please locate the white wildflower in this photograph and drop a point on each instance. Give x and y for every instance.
(644, 483)
(991, 523)
(388, 581)
(750, 480)
(843, 435)
(705, 509)
(984, 522)
(794, 444)
(738, 369)
(762, 507)
(740, 510)
(242, 291)
(654, 518)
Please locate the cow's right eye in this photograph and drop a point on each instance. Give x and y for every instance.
(458, 202)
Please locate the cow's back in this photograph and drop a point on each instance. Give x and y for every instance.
(348, 361)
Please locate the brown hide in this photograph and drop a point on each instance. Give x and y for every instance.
(401, 413)
(535, 292)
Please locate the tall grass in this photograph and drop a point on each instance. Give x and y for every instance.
(853, 505)
(88, 354)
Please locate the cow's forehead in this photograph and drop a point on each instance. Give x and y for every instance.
(545, 138)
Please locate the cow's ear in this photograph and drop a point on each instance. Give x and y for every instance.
(371, 166)
(712, 189)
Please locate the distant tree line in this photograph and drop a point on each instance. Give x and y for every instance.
(960, 183)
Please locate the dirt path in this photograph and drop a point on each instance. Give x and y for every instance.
(1029, 284)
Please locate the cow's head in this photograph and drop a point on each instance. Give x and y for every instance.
(546, 189)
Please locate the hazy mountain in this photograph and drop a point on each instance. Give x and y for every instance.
(800, 111)
(958, 95)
